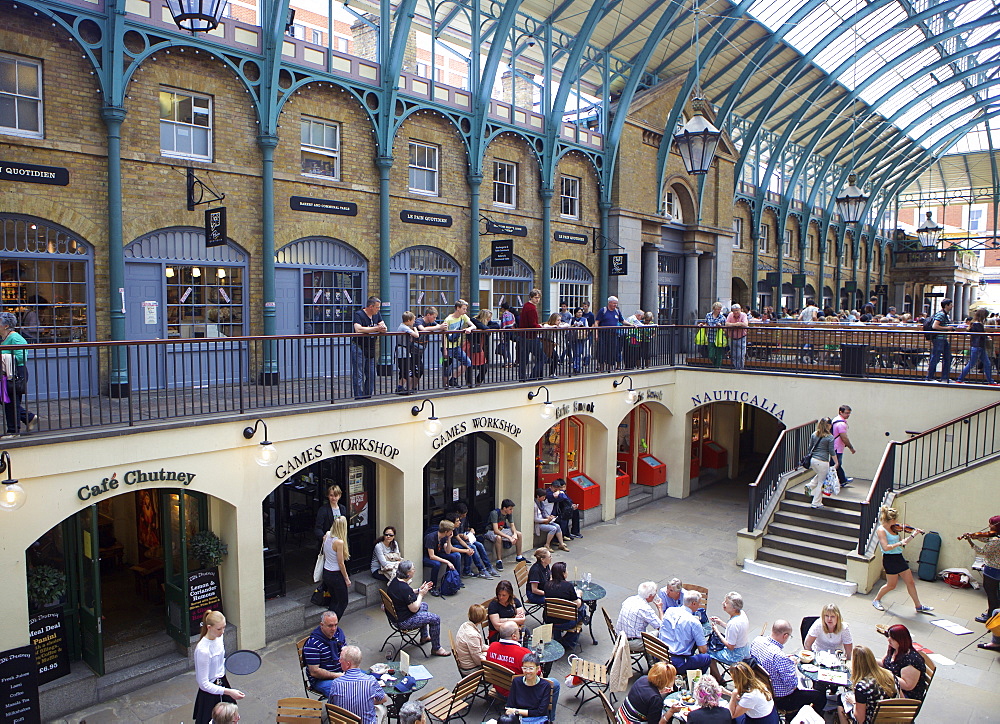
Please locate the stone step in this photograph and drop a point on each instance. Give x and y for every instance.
(128, 654)
(827, 512)
(810, 520)
(835, 540)
(835, 501)
(803, 562)
(142, 674)
(815, 581)
(816, 548)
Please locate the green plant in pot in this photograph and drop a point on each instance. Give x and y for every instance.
(46, 585)
(207, 548)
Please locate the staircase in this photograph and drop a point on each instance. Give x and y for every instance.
(809, 546)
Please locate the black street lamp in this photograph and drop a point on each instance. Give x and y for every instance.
(197, 15)
(697, 140)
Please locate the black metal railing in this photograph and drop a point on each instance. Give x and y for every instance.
(791, 445)
(947, 448)
(94, 384)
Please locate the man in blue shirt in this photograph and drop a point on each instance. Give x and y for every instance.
(357, 691)
(684, 635)
(781, 668)
(321, 653)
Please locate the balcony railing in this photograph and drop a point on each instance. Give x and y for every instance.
(936, 258)
(789, 448)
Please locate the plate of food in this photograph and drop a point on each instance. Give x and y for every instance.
(806, 657)
(810, 668)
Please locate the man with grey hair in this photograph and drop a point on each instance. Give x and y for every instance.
(411, 611)
(364, 348)
(357, 691)
(736, 327)
(637, 615)
(782, 670)
(670, 594)
(684, 635)
(412, 712)
(321, 653)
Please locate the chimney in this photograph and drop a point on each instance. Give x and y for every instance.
(518, 90)
(366, 43)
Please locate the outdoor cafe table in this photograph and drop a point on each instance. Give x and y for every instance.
(590, 594)
(396, 697)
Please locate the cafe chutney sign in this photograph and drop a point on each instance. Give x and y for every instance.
(134, 477)
(422, 217)
(31, 174)
(706, 398)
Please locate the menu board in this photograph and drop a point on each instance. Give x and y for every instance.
(19, 687)
(204, 593)
(48, 637)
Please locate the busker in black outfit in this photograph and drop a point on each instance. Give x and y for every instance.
(566, 511)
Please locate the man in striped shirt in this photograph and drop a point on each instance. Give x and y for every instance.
(321, 653)
(357, 691)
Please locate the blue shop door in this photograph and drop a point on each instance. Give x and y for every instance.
(146, 362)
(288, 321)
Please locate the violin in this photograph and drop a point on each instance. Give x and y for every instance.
(980, 535)
(897, 528)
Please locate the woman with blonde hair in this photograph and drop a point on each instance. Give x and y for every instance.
(470, 646)
(644, 702)
(891, 540)
(823, 458)
(829, 632)
(871, 683)
(210, 668)
(336, 553)
(751, 697)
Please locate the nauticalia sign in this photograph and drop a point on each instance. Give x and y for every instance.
(763, 403)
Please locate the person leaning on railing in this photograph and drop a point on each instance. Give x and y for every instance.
(736, 327)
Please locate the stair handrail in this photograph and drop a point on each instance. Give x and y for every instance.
(954, 445)
(789, 448)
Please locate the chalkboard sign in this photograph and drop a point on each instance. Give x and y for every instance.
(204, 593)
(48, 637)
(19, 687)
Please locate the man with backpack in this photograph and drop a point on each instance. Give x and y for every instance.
(940, 344)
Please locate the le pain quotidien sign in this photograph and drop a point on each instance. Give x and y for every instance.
(769, 406)
(29, 173)
(408, 216)
(133, 477)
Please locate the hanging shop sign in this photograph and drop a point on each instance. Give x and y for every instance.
(422, 217)
(799, 281)
(738, 396)
(134, 477)
(323, 206)
(503, 253)
(570, 238)
(32, 174)
(19, 692)
(617, 265)
(502, 227)
(215, 227)
(881, 290)
(204, 594)
(47, 630)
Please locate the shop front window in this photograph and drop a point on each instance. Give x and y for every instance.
(330, 299)
(204, 301)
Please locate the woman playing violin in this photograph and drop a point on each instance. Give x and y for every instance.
(990, 551)
(892, 536)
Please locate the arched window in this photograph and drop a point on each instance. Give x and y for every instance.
(46, 279)
(422, 276)
(319, 284)
(572, 282)
(509, 284)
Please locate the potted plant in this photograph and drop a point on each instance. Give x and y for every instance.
(207, 548)
(46, 585)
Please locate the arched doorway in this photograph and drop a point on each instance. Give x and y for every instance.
(572, 284)
(509, 284)
(741, 293)
(638, 459)
(763, 295)
(290, 511)
(422, 277)
(730, 440)
(463, 471)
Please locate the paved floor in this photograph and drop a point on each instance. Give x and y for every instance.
(665, 539)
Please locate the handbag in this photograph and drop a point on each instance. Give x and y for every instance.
(806, 461)
(21, 379)
(318, 569)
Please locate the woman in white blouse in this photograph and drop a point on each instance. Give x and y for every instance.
(829, 633)
(210, 668)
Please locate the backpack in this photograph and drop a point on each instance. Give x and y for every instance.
(450, 583)
(928, 326)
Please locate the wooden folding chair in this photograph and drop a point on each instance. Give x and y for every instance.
(654, 650)
(700, 589)
(609, 709)
(495, 677)
(521, 579)
(638, 657)
(896, 711)
(485, 625)
(299, 645)
(461, 672)
(444, 705)
(296, 710)
(558, 610)
(594, 679)
(339, 715)
(407, 636)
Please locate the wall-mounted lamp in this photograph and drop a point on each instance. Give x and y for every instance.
(169, 272)
(548, 409)
(12, 495)
(630, 394)
(266, 453)
(432, 425)
(196, 271)
(220, 273)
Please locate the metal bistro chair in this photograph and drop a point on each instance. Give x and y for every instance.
(296, 710)
(594, 678)
(299, 645)
(638, 657)
(445, 705)
(407, 636)
(521, 578)
(896, 711)
(338, 715)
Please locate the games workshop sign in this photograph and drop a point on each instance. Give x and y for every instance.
(501, 227)
(32, 174)
(422, 217)
(323, 206)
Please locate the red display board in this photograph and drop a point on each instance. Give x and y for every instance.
(713, 455)
(622, 481)
(584, 491)
(651, 471)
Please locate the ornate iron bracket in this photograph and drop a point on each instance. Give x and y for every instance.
(194, 183)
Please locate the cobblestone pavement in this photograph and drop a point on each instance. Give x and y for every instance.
(693, 539)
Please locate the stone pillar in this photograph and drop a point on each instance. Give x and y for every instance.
(956, 297)
(898, 296)
(690, 310)
(970, 295)
(649, 294)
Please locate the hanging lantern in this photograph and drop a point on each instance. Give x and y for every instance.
(197, 15)
(851, 202)
(697, 140)
(929, 232)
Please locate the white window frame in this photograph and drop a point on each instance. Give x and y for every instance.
(737, 233)
(342, 44)
(182, 124)
(789, 249)
(14, 130)
(430, 164)
(762, 239)
(569, 197)
(981, 208)
(315, 36)
(330, 151)
(505, 184)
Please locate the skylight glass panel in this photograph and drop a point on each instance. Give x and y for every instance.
(812, 29)
(903, 93)
(972, 10)
(773, 13)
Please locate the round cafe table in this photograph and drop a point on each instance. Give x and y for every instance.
(397, 698)
(551, 652)
(590, 594)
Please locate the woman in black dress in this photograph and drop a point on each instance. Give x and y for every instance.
(905, 663)
(559, 587)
